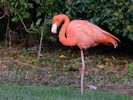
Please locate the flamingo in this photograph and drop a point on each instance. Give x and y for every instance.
(83, 34)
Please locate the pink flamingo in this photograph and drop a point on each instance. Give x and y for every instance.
(83, 34)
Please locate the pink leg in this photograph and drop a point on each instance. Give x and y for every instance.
(83, 70)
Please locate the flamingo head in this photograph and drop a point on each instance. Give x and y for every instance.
(55, 23)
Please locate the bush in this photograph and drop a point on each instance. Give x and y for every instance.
(115, 16)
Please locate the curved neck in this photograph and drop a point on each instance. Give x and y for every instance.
(63, 39)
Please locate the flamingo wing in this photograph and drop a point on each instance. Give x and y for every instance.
(87, 34)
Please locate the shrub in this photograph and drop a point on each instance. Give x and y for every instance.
(115, 16)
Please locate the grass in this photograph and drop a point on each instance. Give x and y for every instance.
(17, 92)
(130, 67)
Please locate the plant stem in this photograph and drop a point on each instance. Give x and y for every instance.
(41, 38)
(23, 22)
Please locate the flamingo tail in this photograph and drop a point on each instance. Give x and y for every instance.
(111, 39)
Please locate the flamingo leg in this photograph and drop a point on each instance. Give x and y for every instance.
(83, 70)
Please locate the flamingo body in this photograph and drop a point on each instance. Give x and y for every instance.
(83, 34)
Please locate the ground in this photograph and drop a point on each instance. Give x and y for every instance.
(106, 68)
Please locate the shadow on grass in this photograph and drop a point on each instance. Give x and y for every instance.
(17, 92)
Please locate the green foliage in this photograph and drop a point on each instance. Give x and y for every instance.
(130, 67)
(115, 16)
(21, 7)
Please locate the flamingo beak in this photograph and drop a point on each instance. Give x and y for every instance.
(54, 28)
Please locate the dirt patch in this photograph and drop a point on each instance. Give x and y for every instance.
(108, 72)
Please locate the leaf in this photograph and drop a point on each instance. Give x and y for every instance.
(37, 1)
(100, 66)
(53, 39)
(62, 56)
(78, 76)
(93, 87)
(130, 36)
(26, 15)
(130, 67)
(92, 20)
(114, 1)
(11, 10)
(32, 25)
(14, 19)
(30, 5)
(38, 21)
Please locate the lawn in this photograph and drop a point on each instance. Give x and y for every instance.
(18, 92)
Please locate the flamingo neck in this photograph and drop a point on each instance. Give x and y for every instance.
(63, 39)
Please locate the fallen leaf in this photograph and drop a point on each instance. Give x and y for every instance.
(113, 58)
(100, 66)
(93, 87)
(62, 57)
(78, 76)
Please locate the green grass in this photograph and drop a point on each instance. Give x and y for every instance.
(130, 67)
(17, 92)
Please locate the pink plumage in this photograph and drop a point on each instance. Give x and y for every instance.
(83, 34)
